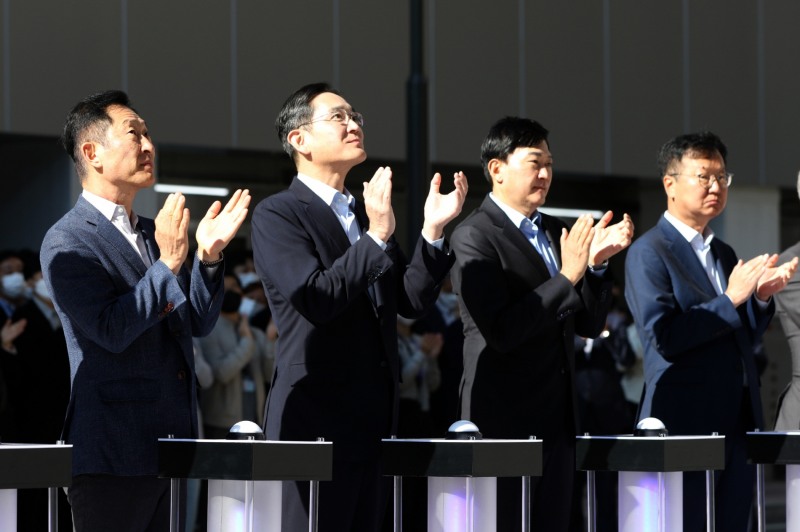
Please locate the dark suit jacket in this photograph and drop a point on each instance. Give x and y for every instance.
(42, 382)
(697, 346)
(129, 334)
(787, 303)
(336, 367)
(519, 326)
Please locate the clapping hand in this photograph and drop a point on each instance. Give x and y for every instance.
(774, 279)
(219, 225)
(378, 204)
(441, 208)
(575, 245)
(172, 225)
(610, 239)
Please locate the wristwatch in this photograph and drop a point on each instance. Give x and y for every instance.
(599, 267)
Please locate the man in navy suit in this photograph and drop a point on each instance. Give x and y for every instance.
(336, 280)
(526, 286)
(129, 308)
(699, 311)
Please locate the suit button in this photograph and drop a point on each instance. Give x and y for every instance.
(181, 375)
(383, 364)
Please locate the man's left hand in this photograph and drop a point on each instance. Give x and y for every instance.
(219, 226)
(440, 208)
(610, 239)
(775, 278)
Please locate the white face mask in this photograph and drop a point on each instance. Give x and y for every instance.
(14, 285)
(248, 278)
(247, 306)
(448, 299)
(40, 289)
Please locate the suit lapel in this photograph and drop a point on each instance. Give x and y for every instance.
(322, 218)
(148, 229)
(683, 254)
(724, 267)
(106, 230)
(514, 236)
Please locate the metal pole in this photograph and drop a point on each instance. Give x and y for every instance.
(417, 122)
(526, 504)
(52, 504)
(760, 502)
(398, 504)
(591, 503)
(249, 486)
(662, 504)
(313, 502)
(52, 509)
(174, 506)
(174, 501)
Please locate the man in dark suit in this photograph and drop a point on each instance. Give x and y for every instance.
(699, 310)
(129, 308)
(335, 292)
(523, 297)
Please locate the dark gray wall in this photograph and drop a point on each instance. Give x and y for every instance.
(612, 80)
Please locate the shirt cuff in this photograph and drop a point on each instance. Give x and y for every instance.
(378, 241)
(438, 243)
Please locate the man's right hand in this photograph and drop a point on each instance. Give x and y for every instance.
(172, 231)
(378, 203)
(744, 279)
(575, 245)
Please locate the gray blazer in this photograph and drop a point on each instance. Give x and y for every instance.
(787, 306)
(129, 335)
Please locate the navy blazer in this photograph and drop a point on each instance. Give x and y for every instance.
(335, 306)
(698, 348)
(519, 327)
(129, 334)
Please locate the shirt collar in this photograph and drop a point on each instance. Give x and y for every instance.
(110, 210)
(514, 215)
(326, 193)
(697, 240)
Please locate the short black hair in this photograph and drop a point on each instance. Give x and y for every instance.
(297, 110)
(88, 120)
(508, 134)
(703, 144)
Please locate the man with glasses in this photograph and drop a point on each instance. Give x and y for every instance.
(699, 311)
(336, 280)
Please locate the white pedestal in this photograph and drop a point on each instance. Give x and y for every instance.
(244, 505)
(458, 504)
(650, 501)
(8, 509)
(793, 498)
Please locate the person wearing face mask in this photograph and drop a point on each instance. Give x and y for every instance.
(444, 319)
(39, 394)
(12, 283)
(14, 290)
(237, 354)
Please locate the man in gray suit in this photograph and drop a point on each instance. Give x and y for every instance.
(129, 307)
(787, 307)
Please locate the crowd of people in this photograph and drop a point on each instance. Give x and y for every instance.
(331, 330)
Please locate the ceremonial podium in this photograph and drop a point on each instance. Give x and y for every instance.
(25, 466)
(781, 448)
(462, 478)
(650, 473)
(245, 499)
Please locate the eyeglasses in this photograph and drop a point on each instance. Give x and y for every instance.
(340, 116)
(705, 181)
